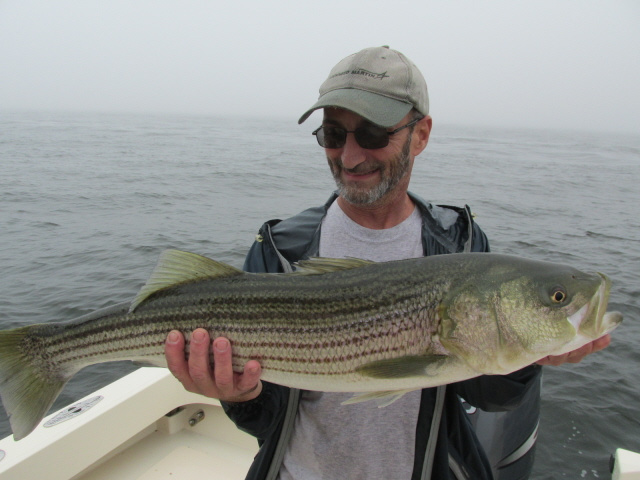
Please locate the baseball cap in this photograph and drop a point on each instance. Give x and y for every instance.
(378, 83)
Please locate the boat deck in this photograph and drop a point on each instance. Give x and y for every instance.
(211, 449)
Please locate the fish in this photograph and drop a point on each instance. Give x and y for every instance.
(335, 325)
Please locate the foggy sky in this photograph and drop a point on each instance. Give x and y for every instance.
(546, 63)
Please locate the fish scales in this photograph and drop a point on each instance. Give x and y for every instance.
(289, 314)
(336, 325)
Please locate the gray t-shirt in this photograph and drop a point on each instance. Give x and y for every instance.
(331, 441)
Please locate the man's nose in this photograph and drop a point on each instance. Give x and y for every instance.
(352, 154)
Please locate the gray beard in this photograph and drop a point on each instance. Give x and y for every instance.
(391, 174)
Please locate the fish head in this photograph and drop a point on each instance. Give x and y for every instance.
(521, 313)
(587, 314)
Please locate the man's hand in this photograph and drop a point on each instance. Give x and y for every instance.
(197, 375)
(577, 355)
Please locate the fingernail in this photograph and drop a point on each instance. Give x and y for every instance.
(197, 336)
(221, 345)
(173, 337)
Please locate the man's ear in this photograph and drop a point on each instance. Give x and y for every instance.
(421, 133)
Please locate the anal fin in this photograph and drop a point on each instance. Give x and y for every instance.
(383, 399)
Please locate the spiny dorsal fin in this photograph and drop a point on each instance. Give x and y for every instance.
(318, 265)
(176, 267)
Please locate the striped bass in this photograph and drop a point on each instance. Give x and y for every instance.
(348, 325)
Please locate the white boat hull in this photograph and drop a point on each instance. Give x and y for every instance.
(626, 465)
(127, 435)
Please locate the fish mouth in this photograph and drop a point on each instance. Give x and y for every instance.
(593, 320)
(606, 321)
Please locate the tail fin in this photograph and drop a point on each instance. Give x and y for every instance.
(27, 390)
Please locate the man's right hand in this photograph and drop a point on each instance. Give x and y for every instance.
(197, 375)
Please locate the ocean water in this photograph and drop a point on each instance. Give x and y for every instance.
(88, 202)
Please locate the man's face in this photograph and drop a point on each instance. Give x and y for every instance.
(367, 176)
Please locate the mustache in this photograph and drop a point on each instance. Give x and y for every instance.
(364, 167)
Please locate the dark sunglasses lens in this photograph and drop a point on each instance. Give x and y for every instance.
(372, 137)
(331, 137)
(369, 137)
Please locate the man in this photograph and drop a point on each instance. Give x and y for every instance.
(376, 121)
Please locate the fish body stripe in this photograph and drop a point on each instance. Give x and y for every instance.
(288, 323)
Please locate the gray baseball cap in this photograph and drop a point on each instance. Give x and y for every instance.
(379, 84)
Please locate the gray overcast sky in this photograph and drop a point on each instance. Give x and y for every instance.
(544, 63)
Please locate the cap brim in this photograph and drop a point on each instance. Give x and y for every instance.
(378, 109)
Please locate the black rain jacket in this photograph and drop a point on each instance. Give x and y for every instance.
(451, 453)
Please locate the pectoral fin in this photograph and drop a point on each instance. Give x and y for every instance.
(402, 367)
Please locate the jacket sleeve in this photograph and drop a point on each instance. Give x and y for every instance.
(480, 241)
(261, 416)
(495, 393)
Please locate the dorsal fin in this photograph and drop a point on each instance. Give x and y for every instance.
(176, 267)
(318, 265)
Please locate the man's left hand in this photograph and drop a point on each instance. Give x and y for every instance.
(577, 355)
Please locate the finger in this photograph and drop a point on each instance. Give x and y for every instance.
(176, 361)
(223, 367)
(249, 382)
(554, 360)
(200, 362)
(543, 361)
(601, 343)
(576, 356)
(234, 387)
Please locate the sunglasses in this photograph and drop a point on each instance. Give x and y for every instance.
(368, 136)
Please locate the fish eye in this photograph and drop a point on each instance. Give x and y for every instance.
(558, 295)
